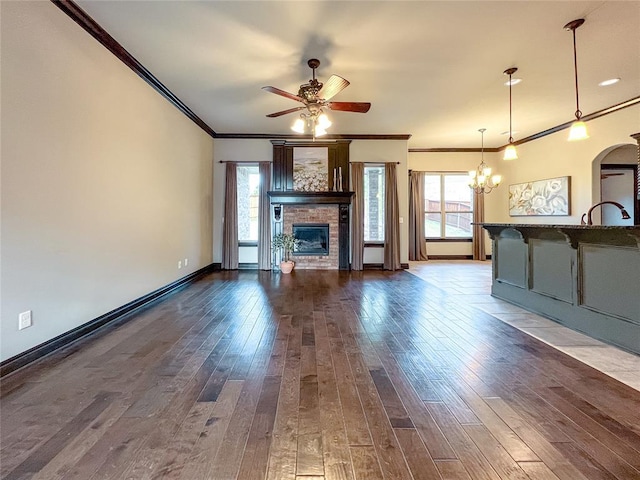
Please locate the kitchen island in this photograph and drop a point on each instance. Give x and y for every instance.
(585, 277)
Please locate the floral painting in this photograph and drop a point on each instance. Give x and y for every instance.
(541, 197)
(311, 169)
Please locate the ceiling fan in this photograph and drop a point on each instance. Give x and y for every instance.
(315, 96)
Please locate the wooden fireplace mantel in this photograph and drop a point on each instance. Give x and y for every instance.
(310, 198)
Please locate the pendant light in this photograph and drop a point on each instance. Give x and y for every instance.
(510, 152)
(578, 129)
(480, 179)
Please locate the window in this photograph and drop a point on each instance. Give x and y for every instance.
(374, 204)
(248, 200)
(448, 205)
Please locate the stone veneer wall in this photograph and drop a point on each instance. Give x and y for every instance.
(314, 214)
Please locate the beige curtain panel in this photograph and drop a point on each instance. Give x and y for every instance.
(417, 242)
(479, 252)
(357, 218)
(391, 219)
(230, 225)
(264, 217)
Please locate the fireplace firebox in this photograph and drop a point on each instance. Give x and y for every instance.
(313, 239)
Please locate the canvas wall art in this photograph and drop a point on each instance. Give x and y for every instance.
(541, 197)
(311, 169)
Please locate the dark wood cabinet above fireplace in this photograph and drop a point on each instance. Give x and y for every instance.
(338, 158)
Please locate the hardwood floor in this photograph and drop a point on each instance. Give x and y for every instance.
(316, 375)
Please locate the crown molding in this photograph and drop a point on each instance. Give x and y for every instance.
(585, 118)
(535, 136)
(453, 150)
(287, 136)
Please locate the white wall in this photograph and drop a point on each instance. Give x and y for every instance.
(262, 150)
(105, 184)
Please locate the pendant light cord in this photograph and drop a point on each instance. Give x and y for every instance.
(575, 69)
(510, 127)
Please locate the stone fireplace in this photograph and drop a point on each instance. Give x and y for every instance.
(330, 209)
(315, 214)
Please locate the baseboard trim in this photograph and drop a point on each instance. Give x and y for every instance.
(454, 257)
(39, 351)
(380, 266)
(247, 266)
(372, 266)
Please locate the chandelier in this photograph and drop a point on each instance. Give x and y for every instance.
(480, 179)
(315, 121)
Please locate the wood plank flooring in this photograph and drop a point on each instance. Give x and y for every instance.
(316, 375)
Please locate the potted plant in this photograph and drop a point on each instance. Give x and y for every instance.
(287, 242)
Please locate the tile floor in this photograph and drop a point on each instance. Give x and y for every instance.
(472, 282)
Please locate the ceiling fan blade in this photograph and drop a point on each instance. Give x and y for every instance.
(359, 107)
(282, 93)
(332, 87)
(284, 112)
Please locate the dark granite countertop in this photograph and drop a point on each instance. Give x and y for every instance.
(573, 234)
(563, 227)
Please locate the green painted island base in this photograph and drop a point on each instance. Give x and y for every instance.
(584, 277)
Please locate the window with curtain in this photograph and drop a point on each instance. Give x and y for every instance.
(374, 203)
(448, 206)
(248, 202)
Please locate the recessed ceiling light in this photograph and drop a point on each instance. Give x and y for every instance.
(513, 81)
(507, 132)
(611, 81)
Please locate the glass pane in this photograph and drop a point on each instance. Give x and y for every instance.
(248, 200)
(457, 194)
(374, 204)
(432, 225)
(432, 193)
(458, 224)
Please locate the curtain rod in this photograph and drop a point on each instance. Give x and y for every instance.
(269, 161)
(244, 161)
(378, 163)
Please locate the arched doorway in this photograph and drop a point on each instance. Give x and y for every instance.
(615, 177)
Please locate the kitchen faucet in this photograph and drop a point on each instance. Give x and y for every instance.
(625, 215)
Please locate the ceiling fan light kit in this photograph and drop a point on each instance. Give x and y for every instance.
(578, 130)
(315, 96)
(298, 126)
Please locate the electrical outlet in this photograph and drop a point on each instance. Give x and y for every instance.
(24, 320)
(179, 263)
(186, 262)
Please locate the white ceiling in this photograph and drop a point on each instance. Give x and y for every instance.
(432, 69)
